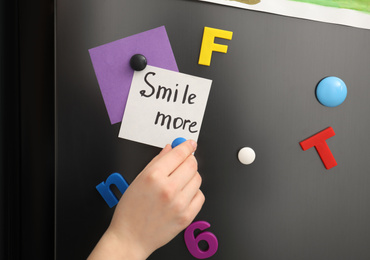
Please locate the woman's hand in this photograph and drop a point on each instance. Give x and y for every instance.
(162, 201)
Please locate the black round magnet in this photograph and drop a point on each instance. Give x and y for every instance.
(138, 62)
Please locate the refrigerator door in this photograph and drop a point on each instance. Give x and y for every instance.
(285, 205)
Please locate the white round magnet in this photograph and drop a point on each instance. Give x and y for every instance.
(246, 155)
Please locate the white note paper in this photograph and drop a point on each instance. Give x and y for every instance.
(163, 105)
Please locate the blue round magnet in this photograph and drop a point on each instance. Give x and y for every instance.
(331, 91)
(177, 141)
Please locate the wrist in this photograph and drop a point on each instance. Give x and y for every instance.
(125, 245)
(117, 247)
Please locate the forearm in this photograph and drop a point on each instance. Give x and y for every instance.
(116, 248)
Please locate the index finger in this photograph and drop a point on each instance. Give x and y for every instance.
(174, 158)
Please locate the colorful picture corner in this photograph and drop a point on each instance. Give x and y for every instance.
(357, 5)
(355, 13)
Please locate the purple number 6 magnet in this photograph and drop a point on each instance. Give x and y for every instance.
(192, 242)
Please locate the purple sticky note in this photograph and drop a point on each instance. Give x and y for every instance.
(111, 63)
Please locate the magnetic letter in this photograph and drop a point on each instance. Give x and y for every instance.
(105, 191)
(319, 142)
(208, 44)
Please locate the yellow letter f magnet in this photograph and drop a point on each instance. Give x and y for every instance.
(208, 44)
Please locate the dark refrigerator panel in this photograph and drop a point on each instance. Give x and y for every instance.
(285, 205)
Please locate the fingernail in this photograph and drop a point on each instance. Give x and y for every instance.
(194, 144)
